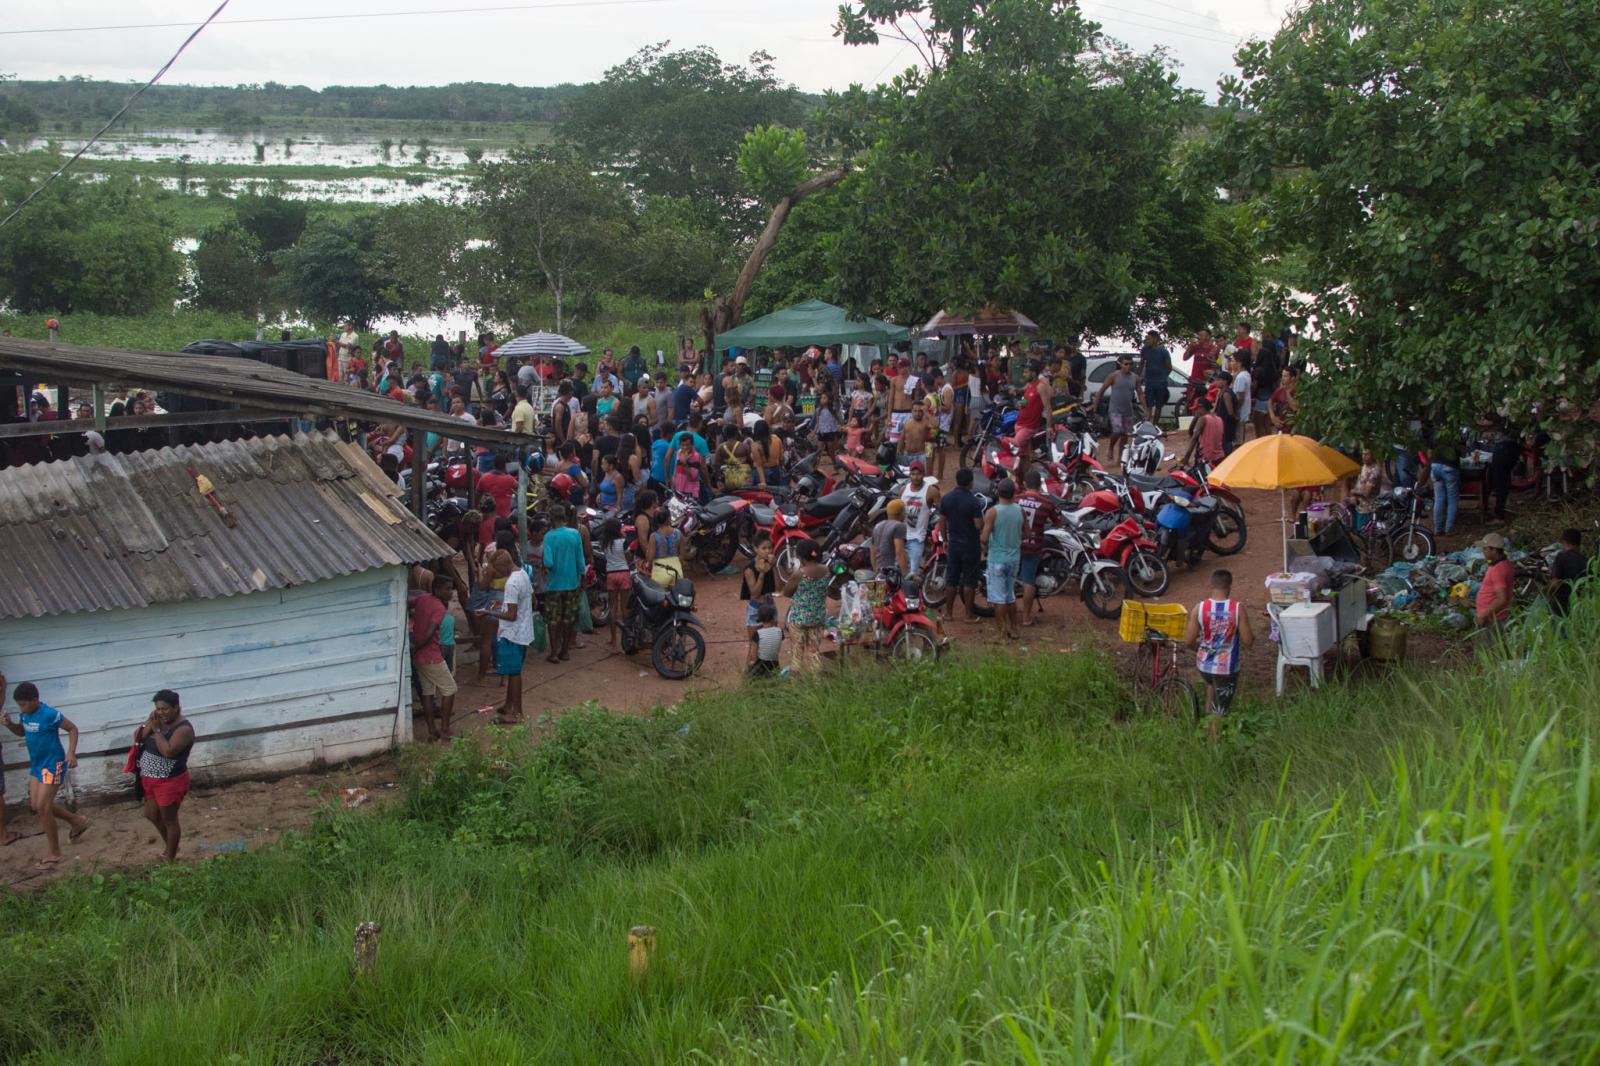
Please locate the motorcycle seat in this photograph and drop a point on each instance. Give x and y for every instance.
(648, 591)
(1158, 483)
(831, 504)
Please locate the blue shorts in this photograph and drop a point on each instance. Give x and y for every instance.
(752, 606)
(508, 657)
(1001, 586)
(1028, 570)
(49, 772)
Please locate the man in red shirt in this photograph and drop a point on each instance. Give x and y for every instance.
(1494, 595)
(433, 676)
(1202, 356)
(1242, 341)
(1039, 513)
(499, 486)
(1036, 397)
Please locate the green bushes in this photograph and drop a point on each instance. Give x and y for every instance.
(972, 862)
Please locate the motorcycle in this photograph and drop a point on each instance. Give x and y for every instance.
(712, 533)
(1071, 554)
(664, 620)
(1124, 537)
(1395, 524)
(896, 625)
(1186, 525)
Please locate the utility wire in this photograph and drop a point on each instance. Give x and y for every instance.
(350, 15)
(62, 169)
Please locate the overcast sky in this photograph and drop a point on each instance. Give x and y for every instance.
(547, 42)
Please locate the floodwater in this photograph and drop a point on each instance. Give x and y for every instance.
(445, 159)
(231, 146)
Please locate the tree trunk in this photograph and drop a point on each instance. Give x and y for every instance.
(559, 322)
(722, 313)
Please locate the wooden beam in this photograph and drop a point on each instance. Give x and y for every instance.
(61, 427)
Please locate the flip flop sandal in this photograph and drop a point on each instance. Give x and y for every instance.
(78, 832)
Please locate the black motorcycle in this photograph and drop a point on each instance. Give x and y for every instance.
(664, 620)
(1186, 525)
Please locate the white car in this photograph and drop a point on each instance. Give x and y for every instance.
(1101, 366)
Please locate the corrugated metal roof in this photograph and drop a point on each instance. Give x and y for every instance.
(102, 532)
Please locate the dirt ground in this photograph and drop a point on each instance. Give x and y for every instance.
(250, 815)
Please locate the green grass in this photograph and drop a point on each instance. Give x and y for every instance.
(977, 862)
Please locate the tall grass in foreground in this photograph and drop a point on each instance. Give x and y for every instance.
(974, 862)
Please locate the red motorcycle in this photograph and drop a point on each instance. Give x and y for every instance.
(894, 622)
(1125, 536)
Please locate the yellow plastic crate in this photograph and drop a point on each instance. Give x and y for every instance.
(1167, 618)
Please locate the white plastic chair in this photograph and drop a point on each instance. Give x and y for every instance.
(1313, 666)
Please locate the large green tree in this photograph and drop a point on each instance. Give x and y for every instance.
(1027, 164)
(1434, 163)
(229, 270)
(671, 123)
(87, 246)
(336, 272)
(555, 227)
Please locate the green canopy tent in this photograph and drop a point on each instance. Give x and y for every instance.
(811, 322)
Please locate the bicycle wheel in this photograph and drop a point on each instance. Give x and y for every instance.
(1177, 699)
(1146, 670)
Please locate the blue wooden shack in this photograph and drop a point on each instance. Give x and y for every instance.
(284, 632)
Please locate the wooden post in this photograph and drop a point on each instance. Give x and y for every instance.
(100, 406)
(366, 949)
(418, 472)
(521, 503)
(472, 478)
(641, 946)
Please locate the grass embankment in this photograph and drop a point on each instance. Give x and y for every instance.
(973, 862)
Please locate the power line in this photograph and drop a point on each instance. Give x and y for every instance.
(1165, 26)
(62, 169)
(330, 18)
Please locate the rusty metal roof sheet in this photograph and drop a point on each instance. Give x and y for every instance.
(102, 532)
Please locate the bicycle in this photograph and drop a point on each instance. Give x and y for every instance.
(1158, 682)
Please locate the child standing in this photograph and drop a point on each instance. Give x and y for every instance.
(41, 726)
(765, 641)
(855, 437)
(1217, 627)
(808, 605)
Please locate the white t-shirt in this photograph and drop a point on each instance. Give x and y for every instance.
(519, 590)
(1241, 387)
(768, 640)
(918, 513)
(348, 341)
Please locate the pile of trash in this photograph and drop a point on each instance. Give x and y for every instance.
(1445, 586)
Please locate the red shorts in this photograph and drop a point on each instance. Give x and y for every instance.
(619, 581)
(166, 791)
(1023, 435)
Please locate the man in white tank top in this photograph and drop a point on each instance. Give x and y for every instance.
(921, 497)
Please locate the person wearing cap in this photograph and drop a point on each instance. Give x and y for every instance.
(921, 499)
(1494, 594)
(905, 395)
(736, 391)
(889, 542)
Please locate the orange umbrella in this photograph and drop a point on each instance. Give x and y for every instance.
(1282, 461)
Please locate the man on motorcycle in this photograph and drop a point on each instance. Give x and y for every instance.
(1036, 396)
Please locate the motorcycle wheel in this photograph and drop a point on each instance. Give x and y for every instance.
(1080, 487)
(1228, 534)
(1525, 474)
(1104, 592)
(599, 605)
(787, 563)
(1410, 545)
(630, 636)
(1147, 573)
(678, 651)
(716, 554)
(935, 589)
(915, 644)
(972, 451)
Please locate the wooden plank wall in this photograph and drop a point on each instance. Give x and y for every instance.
(274, 681)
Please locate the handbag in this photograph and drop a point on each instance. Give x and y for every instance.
(540, 636)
